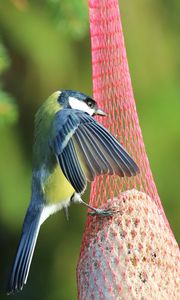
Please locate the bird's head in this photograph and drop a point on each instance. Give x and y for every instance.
(80, 101)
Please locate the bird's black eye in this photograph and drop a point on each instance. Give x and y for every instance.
(91, 103)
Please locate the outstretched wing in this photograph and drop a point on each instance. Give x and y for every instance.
(85, 149)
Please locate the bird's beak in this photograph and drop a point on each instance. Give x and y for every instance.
(100, 112)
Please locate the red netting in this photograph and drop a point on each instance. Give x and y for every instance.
(113, 90)
(119, 255)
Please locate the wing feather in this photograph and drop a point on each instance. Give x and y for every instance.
(86, 156)
(114, 149)
(100, 161)
(85, 149)
(71, 167)
(104, 154)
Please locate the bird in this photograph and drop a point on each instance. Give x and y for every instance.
(70, 149)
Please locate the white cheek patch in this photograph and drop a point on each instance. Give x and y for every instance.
(77, 104)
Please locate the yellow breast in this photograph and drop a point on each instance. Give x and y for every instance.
(57, 188)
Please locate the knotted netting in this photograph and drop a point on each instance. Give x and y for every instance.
(132, 254)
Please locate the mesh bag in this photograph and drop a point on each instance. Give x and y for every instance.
(133, 254)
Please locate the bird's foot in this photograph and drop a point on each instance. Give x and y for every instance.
(102, 212)
(94, 211)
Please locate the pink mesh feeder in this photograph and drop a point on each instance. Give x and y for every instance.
(132, 254)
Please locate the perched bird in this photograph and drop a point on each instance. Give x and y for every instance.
(70, 149)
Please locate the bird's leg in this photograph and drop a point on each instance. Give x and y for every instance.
(66, 212)
(98, 211)
(76, 198)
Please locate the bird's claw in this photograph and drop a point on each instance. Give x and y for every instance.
(102, 212)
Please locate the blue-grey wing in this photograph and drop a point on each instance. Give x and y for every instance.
(85, 149)
(63, 145)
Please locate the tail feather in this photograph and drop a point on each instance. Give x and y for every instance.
(25, 250)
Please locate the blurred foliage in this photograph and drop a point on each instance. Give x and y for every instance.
(8, 109)
(71, 17)
(4, 59)
(45, 46)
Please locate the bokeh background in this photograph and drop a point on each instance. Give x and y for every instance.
(45, 46)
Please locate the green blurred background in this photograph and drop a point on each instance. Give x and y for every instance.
(45, 46)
